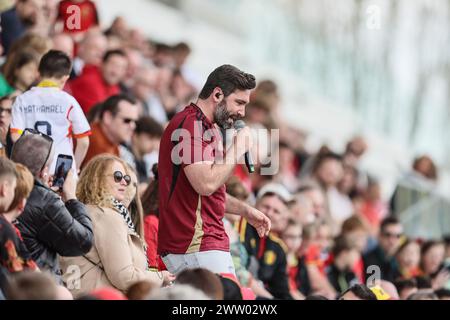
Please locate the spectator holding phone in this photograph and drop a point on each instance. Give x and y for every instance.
(59, 176)
(51, 224)
(52, 111)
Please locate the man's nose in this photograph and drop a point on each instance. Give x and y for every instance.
(241, 113)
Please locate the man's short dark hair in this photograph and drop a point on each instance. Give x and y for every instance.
(55, 64)
(149, 126)
(442, 293)
(429, 244)
(403, 284)
(231, 290)
(162, 47)
(30, 285)
(446, 239)
(423, 295)
(115, 52)
(321, 158)
(35, 145)
(315, 297)
(203, 280)
(342, 244)
(112, 104)
(6, 98)
(361, 291)
(388, 221)
(423, 282)
(182, 47)
(229, 79)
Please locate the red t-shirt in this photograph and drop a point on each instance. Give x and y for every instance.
(314, 256)
(358, 270)
(89, 88)
(189, 222)
(292, 271)
(151, 238)
(241, 172)
(88, 15)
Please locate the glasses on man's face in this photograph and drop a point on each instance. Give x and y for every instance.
(392, 235)
(5, 110)
(118, 176)
(127, 120)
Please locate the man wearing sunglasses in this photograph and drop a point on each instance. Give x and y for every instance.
(382, 256)
(192, 196)
(116, 126)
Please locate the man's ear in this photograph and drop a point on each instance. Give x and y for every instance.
(2, 188)
(217, 95)
(21, 205)
(44, 174)
(107, 117)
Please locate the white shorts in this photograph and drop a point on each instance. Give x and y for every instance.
(214, 260)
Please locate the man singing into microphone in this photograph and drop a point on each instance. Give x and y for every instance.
(192, 196)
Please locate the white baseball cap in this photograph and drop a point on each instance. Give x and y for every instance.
(277, 189)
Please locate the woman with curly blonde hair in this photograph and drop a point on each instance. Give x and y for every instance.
(117, 258)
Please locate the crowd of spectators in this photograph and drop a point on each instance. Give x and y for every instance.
(333, 236)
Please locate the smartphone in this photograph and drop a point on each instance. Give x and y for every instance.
(63, 165)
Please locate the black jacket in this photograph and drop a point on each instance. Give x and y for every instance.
(50, 227)
(341, 280)
(14, 256)
(387, 265)
(267, 261)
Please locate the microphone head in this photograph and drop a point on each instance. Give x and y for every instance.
(239, 124)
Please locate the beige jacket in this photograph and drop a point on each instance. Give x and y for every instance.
(117, 258)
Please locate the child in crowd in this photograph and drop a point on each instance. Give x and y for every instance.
(345, 255)
(292, 237)
(48, 109)
(314, 258)
(408, 259)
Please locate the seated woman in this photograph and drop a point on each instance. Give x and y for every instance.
(117, 258)
(408, 259)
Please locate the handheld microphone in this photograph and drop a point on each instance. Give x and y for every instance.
(238, 125)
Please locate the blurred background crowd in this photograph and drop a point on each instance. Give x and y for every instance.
(336, 224)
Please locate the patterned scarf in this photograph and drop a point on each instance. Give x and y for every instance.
(119, 206)
(125, 214)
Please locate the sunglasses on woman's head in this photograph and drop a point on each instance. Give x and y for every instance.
(118, 176)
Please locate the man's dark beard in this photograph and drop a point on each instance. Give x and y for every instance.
(221, 116)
